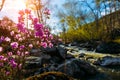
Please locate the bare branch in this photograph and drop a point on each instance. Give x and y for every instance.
(2, 4)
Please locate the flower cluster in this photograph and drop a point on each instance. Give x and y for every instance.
(40, 30)
(8, 60)
(47, 11)
(7, 65)
(19, 43)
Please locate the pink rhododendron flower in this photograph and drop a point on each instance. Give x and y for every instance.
(20, 19)
(22, 54)
(5, 59)
(44, 36)
(26, 52)
(20, 39)
(21, 12)
(21, 27)
(35, 20)
(10, 53)
(20, 66)
(30, 17)
(38, 26)
(14, 45)
(7, 72)
(39, 33)
(1, 57)
(50, 45)
(47, 11)
(18, 53)
(30, 45)
(27, 11)
(38, 30)
(7, 39)
(44, 44)
(12, 33)
(13, 63)
(22, 47)
(51, 36)
(17, 36)
(2, 38)
(47, 30)
(23, 40)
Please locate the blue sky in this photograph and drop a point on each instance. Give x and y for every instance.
(11, 8)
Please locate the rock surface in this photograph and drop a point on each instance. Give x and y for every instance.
(56, 51)
(109, 61)
(110, 47)
(57, 59)
(74, 62)
(77, 68)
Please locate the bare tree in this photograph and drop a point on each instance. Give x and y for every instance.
(2, 4)
(38, 7)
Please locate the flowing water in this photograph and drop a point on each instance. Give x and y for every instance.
(106, 73)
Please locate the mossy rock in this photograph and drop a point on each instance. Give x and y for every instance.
(51, 76)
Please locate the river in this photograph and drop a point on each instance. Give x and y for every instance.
(106, 73)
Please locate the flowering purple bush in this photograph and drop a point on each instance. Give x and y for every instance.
(40, 33)
(12, 60)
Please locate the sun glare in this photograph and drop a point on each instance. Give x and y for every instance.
(20, 4)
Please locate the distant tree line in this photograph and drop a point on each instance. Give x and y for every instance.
(83, 20)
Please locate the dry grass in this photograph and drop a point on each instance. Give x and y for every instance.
(117, 40)
(58, 75)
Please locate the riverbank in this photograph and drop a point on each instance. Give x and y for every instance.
(75, 62)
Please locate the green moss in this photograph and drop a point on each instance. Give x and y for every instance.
(50, 76)
(117, 40)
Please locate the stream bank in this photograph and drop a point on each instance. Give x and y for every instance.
(75, 62)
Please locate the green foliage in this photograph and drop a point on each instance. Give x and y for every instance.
(85, 33)
(84, 25)
(91, 31)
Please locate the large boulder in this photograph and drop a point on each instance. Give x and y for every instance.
(109, 61)
(77, 68)
(74, 67)
(35, 52)
(110, 47)
(62, 52)
(50, 51)
(73, 44)
(36, 62)
(56, 51)
(41, 57)
(69, 56)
